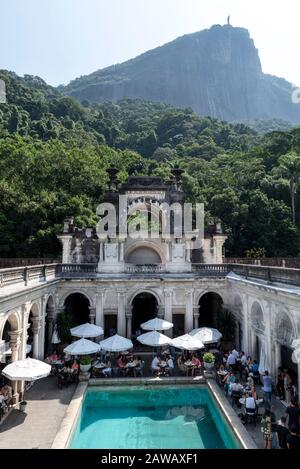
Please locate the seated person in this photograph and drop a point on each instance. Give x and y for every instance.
(53, 357)
(170, 364)
(249, 383)
(237, 387)
(155, 365)
(130, 365)
(250, 404)
(180, 364)
(197, 364)
(121, 363)
(254, 369)
(6, 392)
(107, 370)
(75, 367)
(227, 380)
(252, 391)
(138, 369)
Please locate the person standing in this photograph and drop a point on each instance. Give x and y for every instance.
(282, 432)
(293, 413)
(267, 389)
(266, 428)
(293, 439)
(280, 384)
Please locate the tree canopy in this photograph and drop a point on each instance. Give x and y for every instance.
(54, 153)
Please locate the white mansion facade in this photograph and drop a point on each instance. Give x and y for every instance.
(119, 283)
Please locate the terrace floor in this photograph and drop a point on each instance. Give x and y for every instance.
(37, 427)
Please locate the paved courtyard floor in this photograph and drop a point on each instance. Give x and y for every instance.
(254, 430)
(36, 428)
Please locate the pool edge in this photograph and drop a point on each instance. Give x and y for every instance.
(64, 434)
(233, 420)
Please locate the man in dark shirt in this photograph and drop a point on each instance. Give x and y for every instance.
(282, 433)
(293, 440)
(293, 413)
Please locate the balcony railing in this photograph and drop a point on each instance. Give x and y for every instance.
(144, 269)
(27, 275)
(267, 274)
(76, 270)
(32, 275)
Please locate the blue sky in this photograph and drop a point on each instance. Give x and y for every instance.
(62, 39)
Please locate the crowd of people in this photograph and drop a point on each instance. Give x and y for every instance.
(64, 367)
(239, 376)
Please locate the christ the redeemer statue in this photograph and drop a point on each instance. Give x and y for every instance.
(228, 19)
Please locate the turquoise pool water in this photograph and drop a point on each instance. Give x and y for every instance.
(152, 417)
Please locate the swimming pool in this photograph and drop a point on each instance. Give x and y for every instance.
(148, 417)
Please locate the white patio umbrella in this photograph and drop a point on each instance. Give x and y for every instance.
(86, 330)
(157, 324)
(82, 347)
(154, 339)
(207, 335)
(187, 342)
(28, 369)
(116, 343)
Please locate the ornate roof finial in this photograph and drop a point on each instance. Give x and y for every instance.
(113, 180)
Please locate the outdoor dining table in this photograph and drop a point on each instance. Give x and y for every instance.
(190, 366)
(100, 366)
(130, 365)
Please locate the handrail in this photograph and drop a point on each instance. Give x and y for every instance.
(42, 273)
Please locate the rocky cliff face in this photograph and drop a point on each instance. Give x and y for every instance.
(216, 72)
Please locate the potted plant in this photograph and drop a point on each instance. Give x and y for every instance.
(208, 360)
(23, 405)
(85, 363)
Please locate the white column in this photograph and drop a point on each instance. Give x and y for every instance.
(92, 314)
(36, 327)
(188, 317)
(15, 342)
(25, 308)
(100, 301)
(236, 334)
(51, 314)
(196, 316)
(128, 324)
(121, 313)
(298, 377)
(100, 252)
(168, 309)
(121, 252)
(267, 333)
(66, 241)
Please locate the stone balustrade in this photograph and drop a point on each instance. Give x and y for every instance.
(32, 275)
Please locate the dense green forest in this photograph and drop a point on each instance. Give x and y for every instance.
(54, 153)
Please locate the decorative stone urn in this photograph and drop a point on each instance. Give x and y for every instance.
(85, 368)
(208, 366)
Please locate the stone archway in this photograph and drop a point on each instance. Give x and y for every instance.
(49, 324)
(257, 329)
(145, 252)
(144, 307)
(10, 334)
(33, 330)
(210, 305)
(78, 306)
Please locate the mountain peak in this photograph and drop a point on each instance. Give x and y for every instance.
(216, 72)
